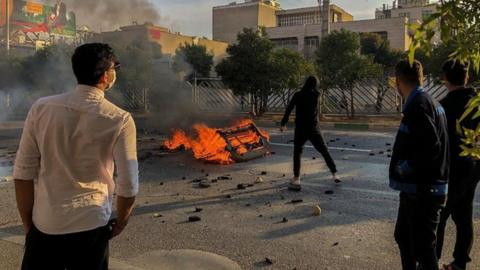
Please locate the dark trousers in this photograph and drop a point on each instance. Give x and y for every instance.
(77, 251)
(460, 207)
(302, 135)
(415, 232)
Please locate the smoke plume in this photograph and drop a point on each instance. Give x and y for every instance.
(107, 15)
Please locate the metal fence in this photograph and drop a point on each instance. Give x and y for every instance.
(373, 97)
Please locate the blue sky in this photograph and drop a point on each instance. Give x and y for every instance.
(194, 17)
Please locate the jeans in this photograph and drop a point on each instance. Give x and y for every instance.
(76, 251)
(313, 135)
(415, 231)
(460, 207)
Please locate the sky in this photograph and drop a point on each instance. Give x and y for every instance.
(194, 17)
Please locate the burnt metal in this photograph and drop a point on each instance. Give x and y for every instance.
(255, 151)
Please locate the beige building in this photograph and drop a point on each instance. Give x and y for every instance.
(414, 10)
(301, 29)
(229, 20)
(168, 41)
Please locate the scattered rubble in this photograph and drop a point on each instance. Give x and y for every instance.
(225, 177)
(337, 181)
(198, 209)
(259, 180)
(198, 180)
(317, 210)
(296, 201)
(268, 261)
(157, 215)
(263, 173)
(204, 185)
(284, 220)
(314, 158)
(329, 192)
(8, 178)
(194, 219)
(241, 186)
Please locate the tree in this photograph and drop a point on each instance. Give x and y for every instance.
(193, 59)
(255, 67)
(49, 70)
(136, 73)
(458, 23)
(290, 70)
(376, 47)
(340, 65)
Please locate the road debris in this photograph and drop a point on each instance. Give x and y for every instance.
(194, 219)
(241, 186)
(296, 201)
(317, 210)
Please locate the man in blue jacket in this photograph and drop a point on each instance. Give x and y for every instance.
(419, 170)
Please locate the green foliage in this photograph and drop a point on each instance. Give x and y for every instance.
(254, 66)
(191, 59)
(459, 27)
(340, 65)
(375, 46)
(290, 68)
(48, 71)
(136, 70)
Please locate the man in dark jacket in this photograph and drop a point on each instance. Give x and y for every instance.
(419, 170)
(464, 171)
(307, 128)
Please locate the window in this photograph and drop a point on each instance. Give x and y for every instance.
(426, 14)
(288, 43)
(404, 14)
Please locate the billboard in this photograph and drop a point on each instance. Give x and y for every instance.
(34, 17)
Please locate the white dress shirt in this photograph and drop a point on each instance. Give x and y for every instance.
(68, 147)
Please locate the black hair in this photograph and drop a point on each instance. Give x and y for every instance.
(411, 74)
(455, 72)
(91, 61)
(310, 83)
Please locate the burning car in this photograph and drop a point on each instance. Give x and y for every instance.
(241, 142)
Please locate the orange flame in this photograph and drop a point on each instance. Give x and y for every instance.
(210, 146)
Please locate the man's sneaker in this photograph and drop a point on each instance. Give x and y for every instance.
(295, 184)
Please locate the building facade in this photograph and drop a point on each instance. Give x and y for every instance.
(414, 10)
(168, 41)
(229, 20)
(301, 29)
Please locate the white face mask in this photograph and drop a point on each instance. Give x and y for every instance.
(112, 82)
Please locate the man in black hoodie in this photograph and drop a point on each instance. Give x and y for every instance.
(307, 128)
(464, 171)
(419, 170)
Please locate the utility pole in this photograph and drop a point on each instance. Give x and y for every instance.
(7, 7)
(325, 13)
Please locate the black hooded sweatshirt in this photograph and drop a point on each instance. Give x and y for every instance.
(306, 103)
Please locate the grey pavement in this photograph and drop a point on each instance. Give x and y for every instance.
(245, 227)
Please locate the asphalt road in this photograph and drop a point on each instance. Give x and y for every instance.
(354, 230)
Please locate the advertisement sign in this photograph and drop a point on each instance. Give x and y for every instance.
(33, 17)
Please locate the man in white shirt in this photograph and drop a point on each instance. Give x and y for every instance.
(64, 169)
